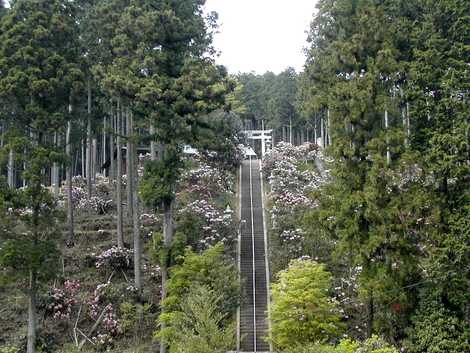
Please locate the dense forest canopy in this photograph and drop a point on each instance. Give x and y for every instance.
(121, 142)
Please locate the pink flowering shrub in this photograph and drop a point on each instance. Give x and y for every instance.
(114, 258)
(110, 326)
(63, 300)
(94, 301)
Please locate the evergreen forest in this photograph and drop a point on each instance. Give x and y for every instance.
(125, 150)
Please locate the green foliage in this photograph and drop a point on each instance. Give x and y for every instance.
(158, 184)
(9, 350)
(39, 77)
(371, 345)
(437, 329)
(135, 319)
(29, 245)
(402, 221)
(210, 269)
(375, 345)
(199, 326)
(268, 97)
(302, 312)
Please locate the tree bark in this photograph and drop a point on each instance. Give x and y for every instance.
(329, 127)
(112, 169)
(55, 171)
(129, 170)
(153, 147)
(104, 144)
(68, 177)
(322, 131)
(290, 130)
(389, 158)
(83, 159)
(407, 131)
(31, 342)
(94, 159)
(89, 142)
(370, 314)
(168, 230)
(11, 169)
(136, 216)
(315, 130)
(120, 237)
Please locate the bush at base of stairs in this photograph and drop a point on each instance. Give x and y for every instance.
(372, 345)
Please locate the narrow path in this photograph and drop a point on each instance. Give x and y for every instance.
(253, 323)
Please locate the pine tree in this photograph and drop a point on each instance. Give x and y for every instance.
(439, 79)
(356, 66)
(38, 78)
(181, 84)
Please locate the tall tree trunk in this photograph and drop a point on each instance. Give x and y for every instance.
(55, 170)
(407, 131)
(153, 147)
(112, 169)
(120, 236)
(168, 230)
(322, 131)
(370, 313)
(104, 144)
(329, 127)
(290, 130)
(136, 214)
(31, 342)
(89, 142)
(315, 129)
(68, 177)
(94, 159)
(129, 170)
(11, 169)
(389, 158)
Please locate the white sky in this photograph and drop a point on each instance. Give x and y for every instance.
(262, 35)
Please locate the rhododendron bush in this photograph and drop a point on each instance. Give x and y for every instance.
(204, 190)
(206, 179)
(216, 225)
(100, 202)
(74, 306)
(292, 176)
(114, 258)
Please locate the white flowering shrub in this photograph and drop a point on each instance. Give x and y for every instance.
(114, 258)
(217, 226)
(292, 240)
(149, 219)
(100, 203)
(141, 163)
(292, 175)
(206, 181)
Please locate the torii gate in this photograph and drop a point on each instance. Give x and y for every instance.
(264, 136)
